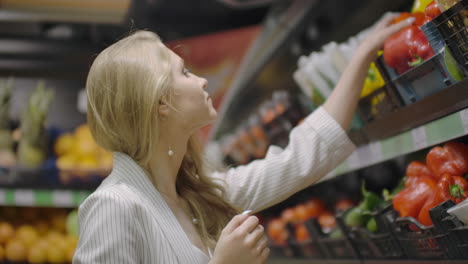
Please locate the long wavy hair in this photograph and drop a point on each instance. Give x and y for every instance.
(125, 83)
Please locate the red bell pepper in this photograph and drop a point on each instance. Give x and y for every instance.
(417, 168)
(454, 188)
(432, 9)
(431, 202)
(410, 200)
(406, 48)
(450, 159)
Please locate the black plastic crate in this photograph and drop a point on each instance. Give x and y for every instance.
(434, 74)
(380, 245)
(332, 248)
(376, 105)
(308, 249)
(452, 26)
(419, 241)
(428, 242)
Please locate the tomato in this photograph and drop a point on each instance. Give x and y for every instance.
(419, 18)
(301, 212)
(301, 233)
(432, 10)
(314, 207)
(343, 204)
(276, 231)
(327, 221)
(289, 216)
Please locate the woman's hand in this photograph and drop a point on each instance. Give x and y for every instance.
(243, 240)
(384, 29)
(341, 104)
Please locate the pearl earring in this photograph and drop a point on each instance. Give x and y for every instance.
(170, 152)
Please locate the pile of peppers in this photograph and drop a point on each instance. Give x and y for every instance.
(409, 47)
(428, 185)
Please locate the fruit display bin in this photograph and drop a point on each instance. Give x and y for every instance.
(433, 75)
(380, 245)
(453, 26)
(428, 242)
(332, 247)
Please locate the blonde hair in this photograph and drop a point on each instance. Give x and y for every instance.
(125, 83)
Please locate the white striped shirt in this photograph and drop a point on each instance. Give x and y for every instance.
(127, 221)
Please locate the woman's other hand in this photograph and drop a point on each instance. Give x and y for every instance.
(243, 240)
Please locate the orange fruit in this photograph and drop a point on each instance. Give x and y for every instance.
(37, 254)
(15, 250)
(2, 253)
(6, 232)
(55, 254)
(28, 235)
(64, 144)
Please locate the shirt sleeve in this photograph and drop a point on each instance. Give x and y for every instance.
(315, 147)
(107, 231)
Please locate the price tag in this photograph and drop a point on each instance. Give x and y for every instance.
(419, 138)
(464, 118)
(62, 198)
(24, 197)
(2, 197)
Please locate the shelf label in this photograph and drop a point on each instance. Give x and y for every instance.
(62, 198)
(24, 197)
(43, 198)
(419, 137)
(445, 129)
(353, 160)
(464, 118)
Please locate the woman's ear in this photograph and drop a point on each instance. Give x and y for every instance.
(163, 110)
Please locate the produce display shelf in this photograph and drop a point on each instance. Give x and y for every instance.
(444, 129)
(42, 198)
(344, 261)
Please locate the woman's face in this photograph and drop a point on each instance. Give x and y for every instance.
(193, 103)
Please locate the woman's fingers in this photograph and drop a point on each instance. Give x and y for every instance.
(235, 222)
(254, 237)
(248, 225)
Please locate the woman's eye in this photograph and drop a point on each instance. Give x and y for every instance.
(186, 71)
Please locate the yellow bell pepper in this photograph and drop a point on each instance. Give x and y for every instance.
(373, 81)
(420, 5)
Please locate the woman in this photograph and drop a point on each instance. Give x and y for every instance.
(159, 205)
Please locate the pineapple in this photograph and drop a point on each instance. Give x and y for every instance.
(7, 157)
(32, 145)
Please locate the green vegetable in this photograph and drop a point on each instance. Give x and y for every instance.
(356, 217)
(371, 225)
(336, 233)
(371, 200)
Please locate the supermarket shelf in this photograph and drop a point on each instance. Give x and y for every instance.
(446, 101)
(277, 28)
(449, 127)
(396, 261)
(45, 198)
